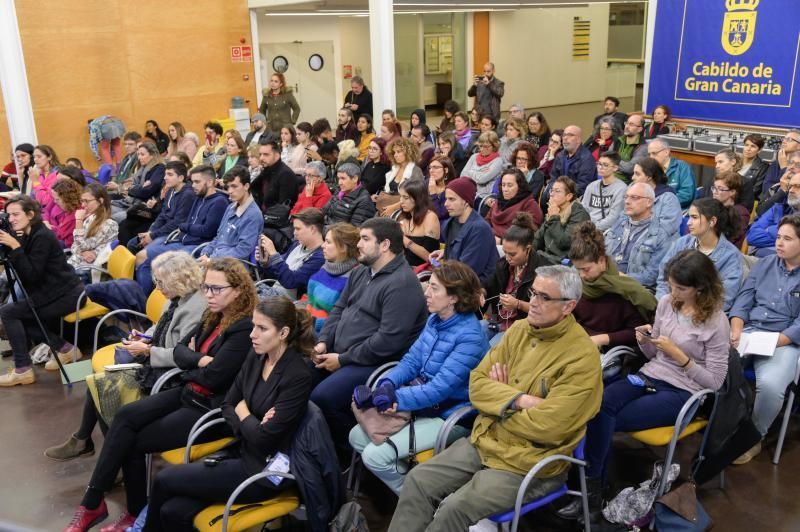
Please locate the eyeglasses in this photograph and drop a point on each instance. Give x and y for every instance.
(604, 165)
(654, 153)
(719, 189)
(435, 167)
(795, 164)
(524, 159)
(312, 176)
(214, 289)
(629, 123)
(159, 283)
(87, 201)
(790, 139)
(793, 187)
(634, 198)
(544, 298)
(606, 129)
(557, 191)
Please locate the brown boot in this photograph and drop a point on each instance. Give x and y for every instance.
(72, 448)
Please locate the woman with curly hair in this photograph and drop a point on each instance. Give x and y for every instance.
(211, 357)
(67, 195)
(401, 153)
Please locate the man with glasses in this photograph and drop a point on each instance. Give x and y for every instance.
(605, 197)
(610, 109)
(487, 91)
(790, 144)
(679, 174)
(574, 161)
(534, 393)
(636, 244)
(762, 234)
(632, 147)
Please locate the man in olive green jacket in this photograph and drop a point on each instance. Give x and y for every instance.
(535, 391)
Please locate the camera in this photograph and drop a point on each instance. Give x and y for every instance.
(5, 225)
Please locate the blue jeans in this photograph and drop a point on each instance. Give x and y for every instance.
(628, 408)
(144, 272)
(333, 393)
(773, 376)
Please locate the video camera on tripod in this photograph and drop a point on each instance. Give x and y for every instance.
(5, 225)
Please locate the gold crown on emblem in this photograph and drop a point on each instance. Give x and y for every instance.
(738, 5)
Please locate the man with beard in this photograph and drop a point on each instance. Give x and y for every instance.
(376, 319)
(632, 146)
(764, 230)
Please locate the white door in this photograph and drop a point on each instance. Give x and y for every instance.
(315, 90)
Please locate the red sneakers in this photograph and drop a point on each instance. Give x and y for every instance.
(121, 524)
(84, 518)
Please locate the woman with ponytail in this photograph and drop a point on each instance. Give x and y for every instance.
(711, 225)
(263, 408)
(612, 305)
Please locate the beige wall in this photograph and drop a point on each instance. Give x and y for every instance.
(167, 61)
(532, 52)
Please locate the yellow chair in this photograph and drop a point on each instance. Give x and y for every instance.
(244, 516)
(104, 356)
(121, 265)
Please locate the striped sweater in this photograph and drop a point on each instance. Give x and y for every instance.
(325, 287)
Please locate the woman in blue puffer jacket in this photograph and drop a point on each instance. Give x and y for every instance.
(432, 379)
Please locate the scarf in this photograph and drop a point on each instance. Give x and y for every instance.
(339, 268)
(611, 282)
(160, 333)
(503, 203)
(463, 137)
(481, 160)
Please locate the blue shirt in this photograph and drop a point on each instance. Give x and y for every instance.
(770, 299)
(238, 234)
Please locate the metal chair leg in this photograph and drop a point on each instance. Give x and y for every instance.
(584, 499)
(784, 425)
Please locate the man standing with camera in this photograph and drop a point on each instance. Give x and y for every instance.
(488, 91)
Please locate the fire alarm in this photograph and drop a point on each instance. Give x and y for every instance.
(242, 40)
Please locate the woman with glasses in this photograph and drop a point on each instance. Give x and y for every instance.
(604, 138)
(211, 357)
(94, 227)
(547, 153)
(507, 291)
(538, 130)
(316, 193)
(687, 348)
(178, 276)
(727, 189)
(440, 172)
(564, 212)
(515, 131)
(524, 158)
(710, 225)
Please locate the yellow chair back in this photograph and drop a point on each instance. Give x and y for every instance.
(121, 263)
(155, 305)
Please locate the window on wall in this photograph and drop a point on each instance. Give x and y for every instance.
(626, 31)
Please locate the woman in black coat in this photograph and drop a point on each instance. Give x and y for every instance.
(52, 286)
(263, 408)
(211, 357)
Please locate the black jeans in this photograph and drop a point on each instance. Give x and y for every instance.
(154, 424)
(181, 492)
(23, 331)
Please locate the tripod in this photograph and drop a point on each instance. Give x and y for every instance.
(12, 277)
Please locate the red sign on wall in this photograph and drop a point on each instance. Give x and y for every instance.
(247, 54)
(236, 54)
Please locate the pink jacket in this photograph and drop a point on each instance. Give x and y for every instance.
(63, 224)
(42, 191)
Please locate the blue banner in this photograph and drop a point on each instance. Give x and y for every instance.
(727, 61)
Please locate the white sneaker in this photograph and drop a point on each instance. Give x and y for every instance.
(40, 354)
(66, 358)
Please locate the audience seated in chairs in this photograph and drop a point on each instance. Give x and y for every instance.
(709, 225)
(324, 287)
(575, 160)
(753, 169)
(514, 132)
(508, 289)
(768, 301)
(67, 198)
(277, 184)
(316, 193)
(51, 284)
(235, 155)
(688, 347)
(680, 177)
(524, 158)
(198, 228)
(376, 166)
(241, 224)
(94, 231)
(604, 137)
(418, 221)
(612, 305)
(762, 234)
(564, 212)
(43, 174)
(174, 211)
(632, 147)
(263, 409)
(212, 356)
(604, 198)
(352, 204)
(451, 148)
(178, 276)
(467, 236)
(486, 165)
(534, 392)
(727, 189)
(637, 243)
(292, 269)
(514, 197)
(432, 379)
(440, 172)
(403, 154)
(144, 195)
(667, 211)
(378, 316)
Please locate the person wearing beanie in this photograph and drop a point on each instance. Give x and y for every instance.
(467, 236)
(259, 122)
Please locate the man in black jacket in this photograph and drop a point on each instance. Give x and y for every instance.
(378, 316)
(276, 184)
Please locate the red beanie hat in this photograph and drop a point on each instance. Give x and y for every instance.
(465, 188)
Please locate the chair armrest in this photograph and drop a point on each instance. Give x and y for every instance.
(241, 487)
(688, 411)
(196, 251)
(113, 313)
(608, 358)
(200, 426)
(450, 423)
(96, 268)
(253, 266)
(266, 282)
(162, 380)
(376, 375)
(523, 488)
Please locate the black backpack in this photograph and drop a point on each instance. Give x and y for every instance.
(350, 518)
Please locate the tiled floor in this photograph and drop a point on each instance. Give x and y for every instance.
(40, 494)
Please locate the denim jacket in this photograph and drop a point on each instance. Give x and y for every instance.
(646, 254)
(237, 235)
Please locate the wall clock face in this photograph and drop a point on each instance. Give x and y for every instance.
(315, 62)
(280, 64)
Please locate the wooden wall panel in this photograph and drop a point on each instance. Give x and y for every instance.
(141, 60)
(480, 40)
